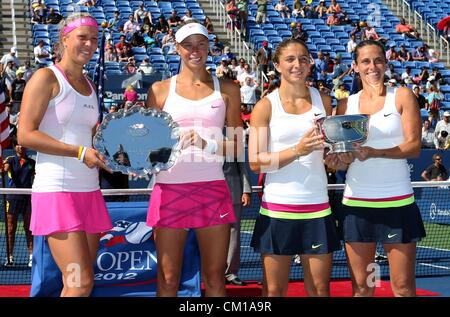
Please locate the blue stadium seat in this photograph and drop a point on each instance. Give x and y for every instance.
(157, 58)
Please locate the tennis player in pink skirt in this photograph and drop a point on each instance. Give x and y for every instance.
(58, 119)
(193, 194)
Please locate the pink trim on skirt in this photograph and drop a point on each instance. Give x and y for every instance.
(190, 205)
(67, 212)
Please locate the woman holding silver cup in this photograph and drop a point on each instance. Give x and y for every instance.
(295, 215)
(378, 204)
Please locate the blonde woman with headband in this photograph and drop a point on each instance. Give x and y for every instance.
(58, 119)
(193, 194)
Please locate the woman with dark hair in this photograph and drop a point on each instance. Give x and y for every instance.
(295, 215)
(378, 204)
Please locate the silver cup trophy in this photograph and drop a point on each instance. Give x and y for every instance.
(342, 132)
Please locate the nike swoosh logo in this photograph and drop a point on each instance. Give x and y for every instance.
(387, 115)
(391, 236)
(318, 114)
(214, 106)
(223, 215)
(315, 246)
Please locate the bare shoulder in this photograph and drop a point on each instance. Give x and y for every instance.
(261, 113)
(403, 92)
(44, 81)
(157, 94)
(229, 87)
(405, 98)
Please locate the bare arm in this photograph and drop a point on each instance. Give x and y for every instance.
(235, 134)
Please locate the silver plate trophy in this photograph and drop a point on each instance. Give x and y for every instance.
(138, 141)
(343, 131)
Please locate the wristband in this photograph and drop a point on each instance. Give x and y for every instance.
(80, 150)
(211, 146)
(83, 154)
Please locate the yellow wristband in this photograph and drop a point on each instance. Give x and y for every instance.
(80, 150)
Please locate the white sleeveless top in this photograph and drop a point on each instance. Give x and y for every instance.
(304, 180)
(379, 177)
(207, 117)
(69, 118)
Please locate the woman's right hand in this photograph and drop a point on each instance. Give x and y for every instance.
(310, 142)
(93, 158)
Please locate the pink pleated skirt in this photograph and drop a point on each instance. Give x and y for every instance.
(57, 212)
(190, 205)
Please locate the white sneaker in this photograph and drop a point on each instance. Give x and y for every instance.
(10, 262)
(30, 261)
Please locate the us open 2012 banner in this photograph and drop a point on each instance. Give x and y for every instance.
(126, 260)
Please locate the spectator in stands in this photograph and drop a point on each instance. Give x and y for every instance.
(131, 26)
(322, 88)
(217, 47)
(68, 207)
(264, 57)
(391, 73)
(248, 92)
(329, 62)
(130, 67)
(371, 34)
(438, 76)
(321, 67)
(283, 10)
(222, 71)
(232, 12)
(296, 8)
(394, 220)
(140, 13)
(428, 138)
(110, 55)
(227, 53)
(442, 126)
(187, 16)
(169, 41)
(113, 23)
(407, 76)
(431, 81)
(9, 74)
(240, 67)
(242, 6)
(334, 7)
(333, 19)
(283, 225)
(233, 68)
(298, 32)
(17, 89)
(145, 67)
(342, 92)
(423, 76)
(261, 12)
(321, 9)
(122, 45)
(421, 100)
(431, 55)
(40, 55)
(174, 20)
(436, 171)
(209, 25)
(39, 11)
(392, 83)
(147, 24)
(404, 55)
(20, 171)
(272, 86)
(391, 54)
(407, 30)
(434, 102)
(358, 31)
(130, 97)
(53, 17)
(351, 45)
(161, 26)
(340, 70)
(247, 72)
(271, 76)
(191, 182)
(27, 71)
(11, 56)
(246, 116)
(308, 11)
(419, 54)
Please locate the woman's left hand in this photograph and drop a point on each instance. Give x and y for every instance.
(191, 137)
(362, 153)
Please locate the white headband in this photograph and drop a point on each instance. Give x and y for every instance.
(190, 29)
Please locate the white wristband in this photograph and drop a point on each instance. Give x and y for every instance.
(83, 154)
(211, 146)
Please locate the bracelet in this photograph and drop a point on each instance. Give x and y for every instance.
(83, 154)
(211, 146)
(294, 149)
(80, 150)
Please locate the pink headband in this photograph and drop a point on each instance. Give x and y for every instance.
(83, 21)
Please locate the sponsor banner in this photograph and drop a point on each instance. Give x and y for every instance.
(126, 260)
(434, 204)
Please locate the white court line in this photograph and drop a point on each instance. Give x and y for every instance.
(446, 250)
(438, 266)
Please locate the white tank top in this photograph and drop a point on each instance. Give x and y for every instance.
(69, 118)
(304, 180)
(379, 177)
(207, 117)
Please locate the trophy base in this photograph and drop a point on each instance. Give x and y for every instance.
(342, 147)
